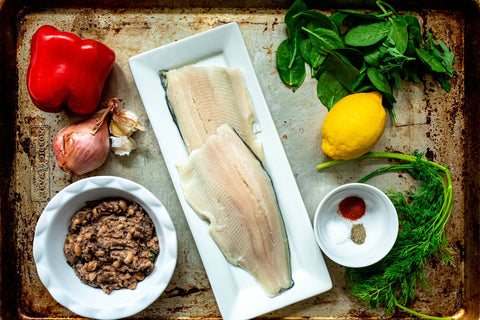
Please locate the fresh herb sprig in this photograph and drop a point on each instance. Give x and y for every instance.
(423, 214)
(375, 52)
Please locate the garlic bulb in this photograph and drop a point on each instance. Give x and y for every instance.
(122, 146)
(124, 123)
(82, 147)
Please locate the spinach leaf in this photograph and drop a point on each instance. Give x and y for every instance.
(342, 69)
(293, 26)
(374, 57)
(323, 39)
(366, 35)
(330, 90)
(364, 16)
(337, 18)
(291, 20)
(410, 51)
(362, 81)
(316, 59)
(311, 56)
(415, 30)
(381, 83)
(398, 33)
(295, 75)
(353, 56)
(305, 48)
(320, 20)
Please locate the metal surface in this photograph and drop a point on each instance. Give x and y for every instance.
(430, 120)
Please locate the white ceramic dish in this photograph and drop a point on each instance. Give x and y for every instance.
(237, 293)
(380, 222)
(60, 279)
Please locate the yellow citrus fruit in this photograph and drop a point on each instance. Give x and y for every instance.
(353, 126)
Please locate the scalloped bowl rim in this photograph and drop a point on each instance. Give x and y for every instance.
(380, 222)
(60, 279)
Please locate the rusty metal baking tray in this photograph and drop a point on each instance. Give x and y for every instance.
(430, 120)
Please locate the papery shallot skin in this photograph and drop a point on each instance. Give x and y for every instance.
(78, 150)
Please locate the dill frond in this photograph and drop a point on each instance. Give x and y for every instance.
(392, 282)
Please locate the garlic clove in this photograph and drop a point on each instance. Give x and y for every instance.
(79, 150)
(119, 130)
(123, 145)
(124, 123)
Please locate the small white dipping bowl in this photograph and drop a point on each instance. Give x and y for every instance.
(380, 222)
(60, 279)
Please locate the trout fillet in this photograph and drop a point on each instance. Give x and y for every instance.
(226, 184)
(204, 98)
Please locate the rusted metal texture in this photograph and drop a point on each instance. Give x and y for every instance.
(443, 125)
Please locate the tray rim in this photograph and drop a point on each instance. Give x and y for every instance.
(11, 13)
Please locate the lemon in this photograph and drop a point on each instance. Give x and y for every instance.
(353, 126)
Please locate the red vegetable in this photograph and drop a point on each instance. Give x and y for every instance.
(67, 71)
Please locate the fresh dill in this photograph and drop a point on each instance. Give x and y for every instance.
(422, 214)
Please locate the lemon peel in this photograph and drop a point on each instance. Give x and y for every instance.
(353, 126)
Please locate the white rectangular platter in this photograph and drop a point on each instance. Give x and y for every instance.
(237, 293)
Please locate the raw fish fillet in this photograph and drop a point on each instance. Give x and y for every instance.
(225, 184)
(204, 98)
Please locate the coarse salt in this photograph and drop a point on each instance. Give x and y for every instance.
(338, 230)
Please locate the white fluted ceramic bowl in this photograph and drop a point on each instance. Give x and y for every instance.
(380, 222)
(60, 279)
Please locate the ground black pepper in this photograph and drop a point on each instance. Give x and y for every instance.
(358, 233)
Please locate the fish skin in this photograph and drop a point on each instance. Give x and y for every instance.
(203, 98)
(226, 184)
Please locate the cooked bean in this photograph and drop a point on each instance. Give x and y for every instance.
(122, 204)
(77, 249)
(108, 242)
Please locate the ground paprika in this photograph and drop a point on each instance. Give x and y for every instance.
(352, 208)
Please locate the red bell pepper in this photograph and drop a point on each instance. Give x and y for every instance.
(67, 71)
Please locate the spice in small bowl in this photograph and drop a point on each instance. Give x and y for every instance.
(358, 233)
(352, 208)
(339, 230)
(356, 225)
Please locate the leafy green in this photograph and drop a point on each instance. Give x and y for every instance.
(329, 89)
(323, 39)
(292, 75)
(399, 33)
(373, 51)
(423, 214)
(321, 20)
(365, 35)
(342, 69)
(337, 18)
(293, 27)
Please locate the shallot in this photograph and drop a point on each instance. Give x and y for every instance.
(82, 147)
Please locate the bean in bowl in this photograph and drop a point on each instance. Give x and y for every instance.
(111, 244)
